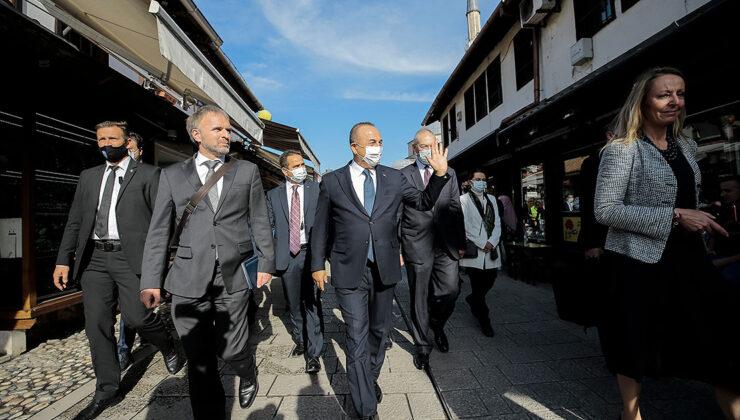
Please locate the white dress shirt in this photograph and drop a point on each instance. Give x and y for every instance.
(358, 180)
(422, 168)
(289, 192)
(203, 170)
(112, 221)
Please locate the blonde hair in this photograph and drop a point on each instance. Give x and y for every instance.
(629, 121)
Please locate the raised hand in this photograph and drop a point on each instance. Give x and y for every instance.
(438, 159)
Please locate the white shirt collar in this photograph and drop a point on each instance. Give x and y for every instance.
(123, 165)
(356, 170)
(422, 166)
(289, 184)
(199, 159)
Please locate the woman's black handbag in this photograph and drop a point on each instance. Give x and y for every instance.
(471, 250)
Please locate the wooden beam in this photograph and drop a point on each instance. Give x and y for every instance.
(56, 304)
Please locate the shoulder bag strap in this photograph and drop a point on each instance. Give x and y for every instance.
(194, 200)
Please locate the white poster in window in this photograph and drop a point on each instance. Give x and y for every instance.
(10, 238)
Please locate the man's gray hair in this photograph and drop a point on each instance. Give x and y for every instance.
(193, 120)
(422, 131)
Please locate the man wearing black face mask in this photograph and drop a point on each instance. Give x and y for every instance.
(103, 244)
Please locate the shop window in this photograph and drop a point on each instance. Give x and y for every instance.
(592, 15)
(469, 108)
(626, 4)
(453, 123)
(481, 107)
(571, 199)
(524, 57)
(533, 195)
(446, 130)
(493, 74)
(11, 218)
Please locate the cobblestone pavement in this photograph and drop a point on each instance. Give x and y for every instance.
(539, 367)
(536, 367)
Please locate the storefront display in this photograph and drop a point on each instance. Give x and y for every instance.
(533, 195)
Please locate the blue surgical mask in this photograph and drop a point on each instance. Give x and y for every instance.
(479, 186)
(424, 156)
(132, 155)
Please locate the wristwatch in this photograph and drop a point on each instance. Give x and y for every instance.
(676, 217)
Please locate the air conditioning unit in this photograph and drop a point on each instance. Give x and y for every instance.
(581, 51)
(532, 12)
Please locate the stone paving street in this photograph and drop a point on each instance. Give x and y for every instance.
(536, 367)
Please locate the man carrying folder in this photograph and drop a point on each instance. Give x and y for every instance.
(208, 286)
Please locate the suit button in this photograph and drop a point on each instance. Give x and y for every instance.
(213, 246)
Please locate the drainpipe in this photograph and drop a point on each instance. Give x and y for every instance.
(536, 63)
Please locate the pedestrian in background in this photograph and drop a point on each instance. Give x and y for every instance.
(102, 246)
(292, 211)
(432, 242)
(481, 259)
(667, 315)
(126, 334)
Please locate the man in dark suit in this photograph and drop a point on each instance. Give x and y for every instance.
(210, 295)
(103, 243)
(292, 210)
(432, 242)
(357, 225)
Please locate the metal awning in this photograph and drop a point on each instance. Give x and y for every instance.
(284, 137)
(151, 40)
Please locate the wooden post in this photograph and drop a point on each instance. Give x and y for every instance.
(28, 276)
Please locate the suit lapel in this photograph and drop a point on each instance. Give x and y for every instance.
(228, 180)
(98, 185)
(380, 184)
(306, 198)
(345, 182)
(191, 174)
(416, 177)
(282, 192)
(132, 166)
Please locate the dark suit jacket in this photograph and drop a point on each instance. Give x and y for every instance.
(277, 209)
(133, 211)
(443, 227)
(227, 227)
(341, 213)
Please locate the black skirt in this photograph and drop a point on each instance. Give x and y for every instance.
(674, 318)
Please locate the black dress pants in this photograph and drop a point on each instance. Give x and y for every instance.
(214, 325)
(434, 286)
(303, 299)
(481, 281)
(107, 279)
(367, 316)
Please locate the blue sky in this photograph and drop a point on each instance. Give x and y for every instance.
(323, 65)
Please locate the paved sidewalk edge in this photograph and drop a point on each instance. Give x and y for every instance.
(55, 410)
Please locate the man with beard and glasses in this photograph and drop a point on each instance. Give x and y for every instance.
(210, 293)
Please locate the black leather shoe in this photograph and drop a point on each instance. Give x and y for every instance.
(378, 393)
(421, 360)
(487, 329)
(440, 339)
(124, 360)
(313, 365)
(94, 409)
(173, 360)
(247, 392)
(298, 350)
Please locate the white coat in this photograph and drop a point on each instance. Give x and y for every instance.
(476, 232)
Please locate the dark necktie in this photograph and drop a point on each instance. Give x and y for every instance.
(101, 219)
(369, 192)
(295, 222)
(213, 192)
(427, 175)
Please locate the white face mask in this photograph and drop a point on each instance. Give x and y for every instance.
(299, 174)
(424, 156)
(372, 154)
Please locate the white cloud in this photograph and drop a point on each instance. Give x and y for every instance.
(260, 83)
(388, 96)
(381, 35)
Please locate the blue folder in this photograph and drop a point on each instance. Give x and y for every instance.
(249, 267)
